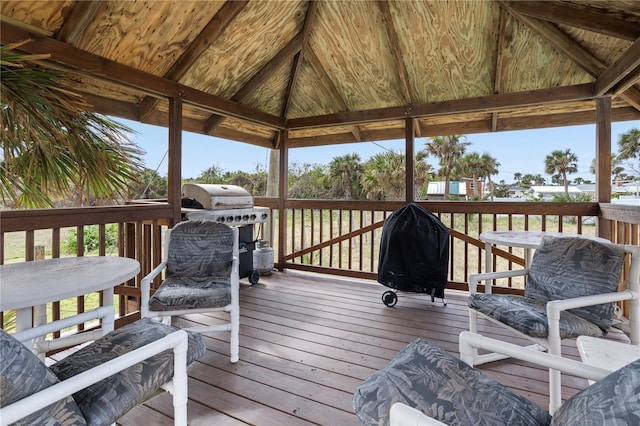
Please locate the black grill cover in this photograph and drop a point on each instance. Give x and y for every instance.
(414, 251)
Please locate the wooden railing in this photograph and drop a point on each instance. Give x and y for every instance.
(137, 235)
(326, 236)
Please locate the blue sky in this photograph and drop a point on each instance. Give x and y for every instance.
(518, 151)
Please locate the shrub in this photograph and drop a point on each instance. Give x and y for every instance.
(91, 239)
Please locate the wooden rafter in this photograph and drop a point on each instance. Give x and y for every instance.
(623, 73)
(297, 63)
(489, 103)
(497, 82)
(578, 16)
(287, 53)
(77, 21)
(209, 34)
(561, 41)
(85, 63)
(394, 43)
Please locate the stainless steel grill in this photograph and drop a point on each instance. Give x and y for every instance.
(230, 204)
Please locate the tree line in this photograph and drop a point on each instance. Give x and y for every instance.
(382, 177)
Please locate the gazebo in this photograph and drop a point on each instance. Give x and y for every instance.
(291, 74)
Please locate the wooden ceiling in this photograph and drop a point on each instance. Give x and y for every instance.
(341, 71)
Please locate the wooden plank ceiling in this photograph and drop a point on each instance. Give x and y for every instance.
(341, 71)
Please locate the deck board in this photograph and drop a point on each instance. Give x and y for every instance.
(307, 341)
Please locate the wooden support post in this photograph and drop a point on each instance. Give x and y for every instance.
(174, 177)
(603, 161)
(410, 169)
(283, 189)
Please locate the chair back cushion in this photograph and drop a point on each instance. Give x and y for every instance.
(614, 400)
(200, 248)
(106, 401)
(23, 374)
(425, 377)
(569, 267)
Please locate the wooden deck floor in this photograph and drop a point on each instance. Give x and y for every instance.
(307, 341)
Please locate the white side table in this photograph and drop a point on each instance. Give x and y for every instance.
(607, 354)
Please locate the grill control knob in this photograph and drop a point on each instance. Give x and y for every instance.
(230, 219)
(220, 219)
(245, 217)
(238, 218)
(253, 217)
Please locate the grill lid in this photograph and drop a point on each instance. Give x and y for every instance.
(218, 197)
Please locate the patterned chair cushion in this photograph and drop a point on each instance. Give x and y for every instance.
(567, 267)
(106, 401)
(200, 249)
(615, 400)
(191, 293)
(529, 316)
(427, 378)
(23, 374)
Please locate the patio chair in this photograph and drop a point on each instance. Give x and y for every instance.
(101, 382)
(572, 284)
(201, 263)
(424, 385)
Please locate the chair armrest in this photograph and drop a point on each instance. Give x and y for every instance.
(178, 341)
(474, 279)
(402, 415)
(145, 287)
(468, 341)
(596, 299)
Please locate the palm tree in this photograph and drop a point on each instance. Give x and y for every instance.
(471, 165)
(562, 162)
(51, 146)
(383, 177)
(345, 172)
(448, 149)
(490, 166)
(629, 148)
(517, 177)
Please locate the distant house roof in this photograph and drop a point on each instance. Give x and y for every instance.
(554, 189)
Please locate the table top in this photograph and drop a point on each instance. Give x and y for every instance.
(34, 283)
(607, 354)
(528, 239)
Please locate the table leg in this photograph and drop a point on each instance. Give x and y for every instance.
(108, 324)
(24, 319)
(488, 265)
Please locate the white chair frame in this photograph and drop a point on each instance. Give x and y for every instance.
(233, 308)
(553, 342)
(177, 386)
(469, 343)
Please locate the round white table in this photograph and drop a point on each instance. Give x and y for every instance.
(27, 284)
(526, 239)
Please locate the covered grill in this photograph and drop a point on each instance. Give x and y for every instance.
(414, 254)
(233, 205)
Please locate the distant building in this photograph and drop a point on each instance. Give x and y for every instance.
(463, 189)
(548, 191)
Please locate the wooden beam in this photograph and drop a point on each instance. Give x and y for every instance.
(603, 160)
(628, 63)
(410, 167)
(466, 127)
(394, 43)
(82, 13)
(208, 36)
(574, 15)
(86, 63)
(489, 103)
(283, 190)
(309, 22)
(174, 175)
(497, 79)
(573, 50)
(325, 80)
(265, 73)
